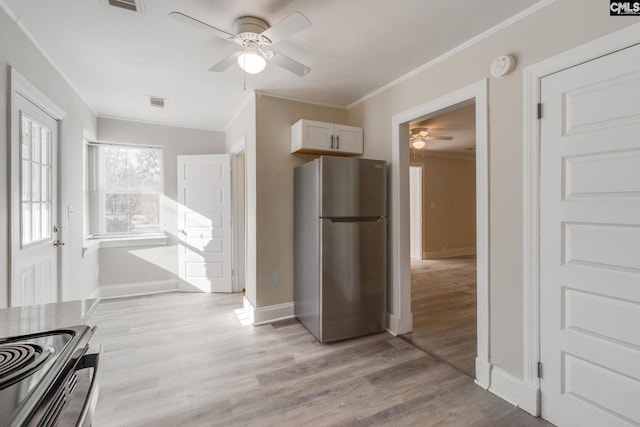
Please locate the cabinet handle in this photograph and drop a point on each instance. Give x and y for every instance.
(332, 142)
(337, 142)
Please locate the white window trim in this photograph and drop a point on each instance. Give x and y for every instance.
(158, 238)
(92, 243)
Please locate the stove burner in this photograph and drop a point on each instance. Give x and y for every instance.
(19, 359)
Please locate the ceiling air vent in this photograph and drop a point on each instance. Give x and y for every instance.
(132, 5)
(157, 102)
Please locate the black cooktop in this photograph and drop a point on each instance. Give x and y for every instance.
(29, 367)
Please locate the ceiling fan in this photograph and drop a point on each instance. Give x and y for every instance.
(420, 136)
(255, 37)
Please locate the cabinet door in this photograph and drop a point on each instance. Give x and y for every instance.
(348, 139)
(318, 136)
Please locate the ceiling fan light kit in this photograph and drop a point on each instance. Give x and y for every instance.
(254, 35)
(419, 136)
(419, 144)
(251, 60)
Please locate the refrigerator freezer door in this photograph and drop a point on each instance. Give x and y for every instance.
(353, 278)
(353, 187)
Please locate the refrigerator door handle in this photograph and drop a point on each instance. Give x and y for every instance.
(356, 219)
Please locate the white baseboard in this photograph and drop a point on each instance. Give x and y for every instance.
(95, 294)
(392, 324)
(268, 314)
(505, 386)
(449, 253)
(483, 373)
(530, 398)
(398, 326)
(139, 288)
(515, 391)
(248, 309)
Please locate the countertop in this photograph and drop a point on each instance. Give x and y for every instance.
(37, 318)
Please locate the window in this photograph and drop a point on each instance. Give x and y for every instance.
(123, 190)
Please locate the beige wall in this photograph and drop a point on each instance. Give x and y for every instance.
(448, 202)
(16, 50)
(275, 164)
(149, 264)
(562, 25)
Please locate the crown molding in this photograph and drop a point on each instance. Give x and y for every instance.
(491, 31)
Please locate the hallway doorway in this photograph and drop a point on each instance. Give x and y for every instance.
(443, 275)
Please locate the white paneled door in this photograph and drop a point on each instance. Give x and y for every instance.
(204, 222)
(34, 244)
(590, 243)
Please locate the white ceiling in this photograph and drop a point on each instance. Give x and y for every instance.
(115, 57)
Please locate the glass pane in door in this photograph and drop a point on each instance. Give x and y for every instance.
(25, 142)
(46, 221)
(46, 147)
(25, 180)
(26, 223)
(35, 142)
(35, 181)
(36, 223)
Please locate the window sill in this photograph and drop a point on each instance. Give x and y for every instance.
(92, 244)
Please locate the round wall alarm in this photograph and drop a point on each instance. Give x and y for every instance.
(502, 66)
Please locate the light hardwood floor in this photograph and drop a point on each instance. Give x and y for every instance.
(180, 359)
(443, 303)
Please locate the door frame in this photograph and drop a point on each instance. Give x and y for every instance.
(532, 76)
(19, 85)
(238, 149)
(400, 318)
(420, 168)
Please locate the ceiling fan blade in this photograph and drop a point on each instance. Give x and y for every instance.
(438, 138)
(226, 62)
(289, 64)
(203, 26)
(288, 26)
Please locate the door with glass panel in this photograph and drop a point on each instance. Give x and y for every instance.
(34, 240)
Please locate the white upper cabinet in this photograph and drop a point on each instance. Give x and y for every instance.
(308, 136)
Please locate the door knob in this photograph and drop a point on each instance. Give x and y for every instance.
(58, 243)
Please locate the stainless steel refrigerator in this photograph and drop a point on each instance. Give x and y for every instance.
(340, 246)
